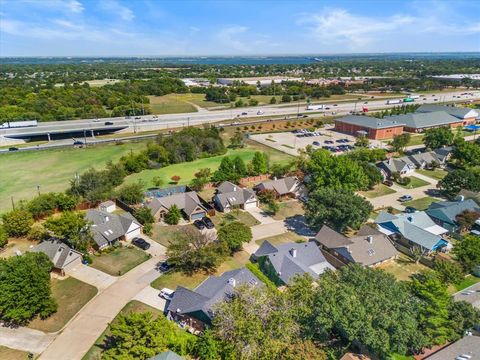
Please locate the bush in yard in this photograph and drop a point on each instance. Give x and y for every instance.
(17, 222)
(3, 237)
(71, 226)
(131, 193)
(175, 179)
(266, 196)
(25, 288)
(467, 252)
(42, 205)
(273, 207)
(448, 271)
(144, 215)
(234, 235)
(173, 216)
(37, 232)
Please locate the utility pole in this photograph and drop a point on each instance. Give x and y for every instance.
(13, 203)
(38, 189)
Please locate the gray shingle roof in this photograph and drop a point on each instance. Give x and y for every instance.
(58, 252)
(210, 292)
(425, 120)
(458, 112)
(167, 355)
(226, 187)
(469, 345)
(282, 186)
(187, 202)
(370, 122)
(308, 259)
(448, 210)
(237, 197)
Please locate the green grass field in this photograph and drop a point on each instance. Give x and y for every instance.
(414, 183)
(437, 174)
(21, 172)
(379, 190)
(420, 203)
(467, 282)
(119, 261)
(244, 217)
(170, 104)
(281, 239)
(71, 295)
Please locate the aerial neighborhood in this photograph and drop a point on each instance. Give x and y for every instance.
(237, 207)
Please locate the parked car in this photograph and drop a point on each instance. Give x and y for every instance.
(329, 142)
(199, 224)
(316, 143)
(108, 123)
(141, 243)
(208, 223)
(388, 182)
(13, 148)
(166, 294)
(164, 266)
(404, 198)
(410, 210)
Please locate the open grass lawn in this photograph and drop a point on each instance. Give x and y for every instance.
(415, 183)
(437, 174)
(170, 104)
(186, 171)
(402, 268)
(286, 209)
(172, 279)
(17, 244)
(12, 354)
(71, 295)
(378, 190)
(282, 239)
(162, 233)
(468, 281)
(400, 357)
(235, 215)
(95, 351)
(21, 172)
(415, 140)
(120, 260)
(420, 203)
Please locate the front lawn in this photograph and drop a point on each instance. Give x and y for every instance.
(119, 260)
(164, 233)
(12, 354)
(420, 203)
(287, 237)
(234, 215)
(378, 190)
(71, 295)
(172, 279)
(95, 351)
(402, 268)
(437, 174)
(467, 282)
(414, 183)
(287, 209)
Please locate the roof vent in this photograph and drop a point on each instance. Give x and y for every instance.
(234, 188)
(410, 219)
(232, 282)
(348, 249)
(370, 239)
(293, 252)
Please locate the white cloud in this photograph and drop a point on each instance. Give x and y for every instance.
(73, 6)
(229, 37)
(118, 9)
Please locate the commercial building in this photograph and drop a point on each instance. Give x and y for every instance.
(466, 115)
(373, 128)
(421, 121)
(263, 81)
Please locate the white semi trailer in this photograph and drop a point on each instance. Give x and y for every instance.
(315, 107)
(19, 124)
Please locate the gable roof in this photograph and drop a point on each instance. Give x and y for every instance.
(282, 186)
(416, 160)
(294, 258)
(468, 345)
(57, 251)
(107, 227)
(397, 164)
(422, 120)
(187, 202)
(238, 197)
(458, 112)
(167, 355)
(226, 187)
(447, 211)
(370, 122)
(210, 292)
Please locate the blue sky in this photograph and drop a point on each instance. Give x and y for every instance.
(181, 27)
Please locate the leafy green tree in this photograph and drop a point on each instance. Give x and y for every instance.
(448, 271)
(273, 100)
(237, 140)
(362, 142)
(467, 219)
(207, 347)
(173, 216)
(72, 227)
(259, 163)
(463, 316)
(202, 177)
(438, 137)
(37, 232)
(131, 193)
(93, 186)
(3, 237)
(373, 174)
(230, 170)
(273, 207)
(42, 205)
(337, 208)
(286, 98)
(399, 142)
(467, 252)
(25, 288)
(144, 215)
(239, 166)
(234, 235)
(17, 222)
(305, 350)
(466, 154)
(157, 181)
(459, 179)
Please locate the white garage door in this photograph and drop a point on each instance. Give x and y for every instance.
(251, 205)
(132, 234)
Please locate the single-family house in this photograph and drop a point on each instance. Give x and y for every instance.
(282, 262)
(467, 348)
(107, 206)
(285, 187)
(167, 355)
(108, 229)
(468, 116)
(413, 230)
(445, 213)
(369, 247)
(188, 203)
(231, 196)
(421, 121)
(62, 256)
(195, 308)
(402, 166)
(470, 295)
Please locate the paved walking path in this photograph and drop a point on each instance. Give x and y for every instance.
(82, 331)
(25, 339)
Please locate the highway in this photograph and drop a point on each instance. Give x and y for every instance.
(157, 122)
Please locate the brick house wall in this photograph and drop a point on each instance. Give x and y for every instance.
(374, 134)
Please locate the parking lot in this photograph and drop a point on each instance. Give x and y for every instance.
(291, 142)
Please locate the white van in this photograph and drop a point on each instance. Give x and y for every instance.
(166, 293)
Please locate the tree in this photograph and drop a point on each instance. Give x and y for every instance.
(399, 142)
(273, 207)
(467, 219)
(72, 227)
(230, 170)
(259, 163)
(239, 167)
(3, 237)
(467, 252)
(141, 336)
(448, 271)
(42, 205)
(207, 347)
(237, 140)
(373, 174)
(466, 154)
(463, 316)
(234, 235)
(437, 137)
(305, 350)
(37, 232)
(286, 98)
(144, 215)
(362, 141)
(175, 179)
(459, 179)
(157, 181)
(273, 100)
(190, 251)
(25, 288)
(202, 177)
(131, 193)
(17, 222)
(339, 209)
(173, 216)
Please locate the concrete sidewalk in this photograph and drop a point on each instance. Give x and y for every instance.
(25, 339)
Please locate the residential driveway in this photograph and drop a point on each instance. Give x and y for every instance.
(261, 216)
(150, 297)
(263, 231)
(92, 276)
(89, 323)
(25, 339)
(156, 249)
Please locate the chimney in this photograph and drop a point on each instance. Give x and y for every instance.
(232, 282)
(370, 239)
(293, 252)
(275, 178)
(461, 198)
(390, 161)
(348, 249)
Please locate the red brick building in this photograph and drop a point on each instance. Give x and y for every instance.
(373, 128)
